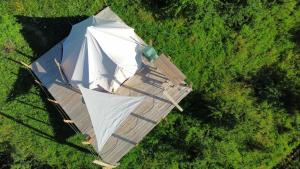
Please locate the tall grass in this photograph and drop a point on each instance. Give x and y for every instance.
(241, 56)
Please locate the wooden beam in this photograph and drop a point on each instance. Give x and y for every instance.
(24, 64)
(167, 68)
(172, 101)
(52, 101)
(87, 142)
(104, 165)
(60, 71)
(167, 84)
(68, 121)
(39, 83)
(190, 85)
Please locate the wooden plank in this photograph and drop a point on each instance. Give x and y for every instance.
(143, 127)
(173, 101)
(169, 69)
(90, 141)
(60, 71)
(148, 82)
(68, 121)
(103, 164)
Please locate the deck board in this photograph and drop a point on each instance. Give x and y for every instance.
(147, 82)
(169, 69)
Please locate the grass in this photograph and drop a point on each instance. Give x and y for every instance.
(30, 126)
(237, 117)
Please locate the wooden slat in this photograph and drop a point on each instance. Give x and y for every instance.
(103, 164)
(148, 82)
(169, 69)
(173, 101)
(68, 121)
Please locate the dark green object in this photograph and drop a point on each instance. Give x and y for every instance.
(150, 53)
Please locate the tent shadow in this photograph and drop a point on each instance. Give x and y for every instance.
(41, 34)
(43, 134)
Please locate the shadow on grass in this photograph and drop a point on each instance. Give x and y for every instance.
(197, 107)
(290, 161)
(41, 34)
(22, 85)
(296, 37)
(45, 135)
(6, 159)
(272, 84)
(38, 164)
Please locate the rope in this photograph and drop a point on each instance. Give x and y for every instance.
(61, 112)
(56, 106)
(59, 109)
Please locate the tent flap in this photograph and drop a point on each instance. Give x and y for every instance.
(107, 112)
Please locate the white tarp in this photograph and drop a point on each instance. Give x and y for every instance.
(101, 54)
(107, 112)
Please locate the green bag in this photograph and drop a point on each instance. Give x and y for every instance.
(150, 53)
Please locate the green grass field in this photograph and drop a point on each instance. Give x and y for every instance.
(241, 56)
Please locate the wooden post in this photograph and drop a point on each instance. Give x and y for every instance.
(150, 42)
(68, 121)
(172, 101)
(191, 85)
(104, 165)
(87, 142)
(60, 71)
(36, 81)
(52, 101)
(24, 64)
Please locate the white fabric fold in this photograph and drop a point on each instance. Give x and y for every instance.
(107, 112)
(96, 50)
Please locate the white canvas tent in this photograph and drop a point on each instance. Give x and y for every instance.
(107, 112)
(100, 54)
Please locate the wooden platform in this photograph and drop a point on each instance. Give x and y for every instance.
(149, 82)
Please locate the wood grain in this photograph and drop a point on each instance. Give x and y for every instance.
(147, 82)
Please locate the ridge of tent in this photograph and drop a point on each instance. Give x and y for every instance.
(95, 38)
(111, 79)
(109, 66)
(107, 112)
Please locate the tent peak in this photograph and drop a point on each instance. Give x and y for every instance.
(95, 50)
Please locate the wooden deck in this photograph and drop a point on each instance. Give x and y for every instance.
(149, 82)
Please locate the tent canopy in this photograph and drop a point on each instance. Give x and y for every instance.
(100, 54)
(107, 112)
